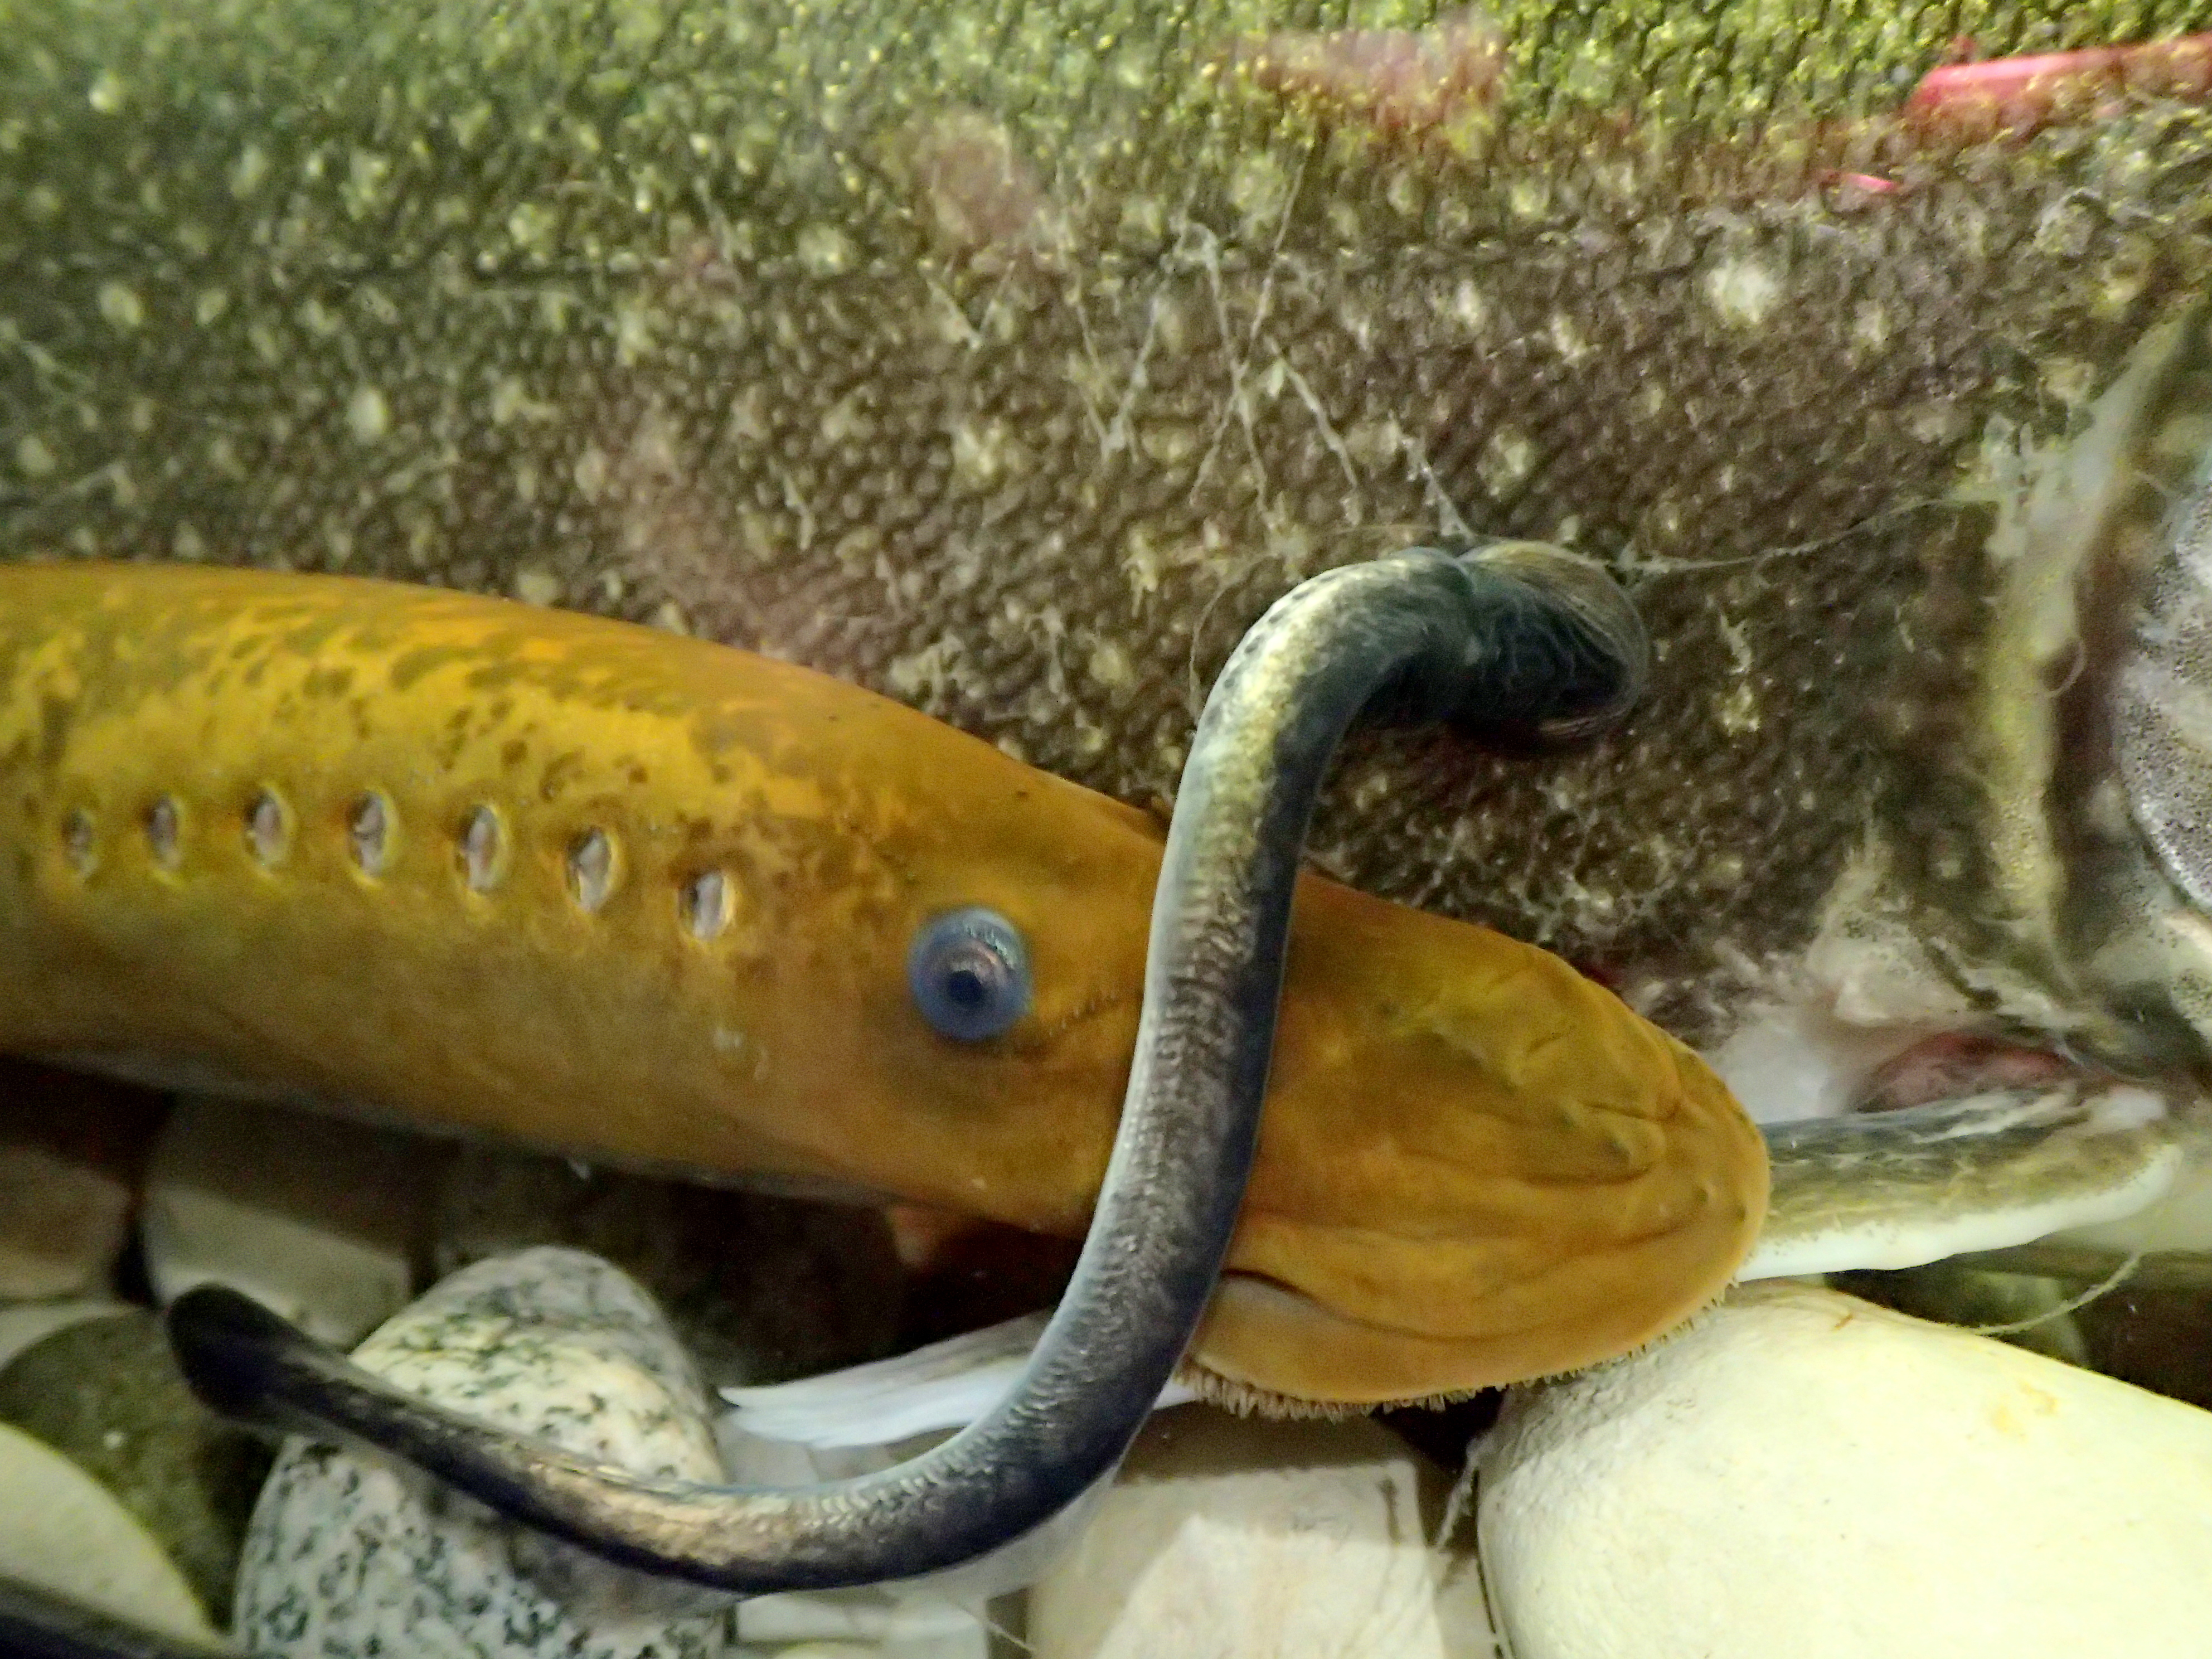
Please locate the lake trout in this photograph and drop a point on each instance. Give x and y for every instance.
(1010, 360)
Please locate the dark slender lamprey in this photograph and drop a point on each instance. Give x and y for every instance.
(1518, 637)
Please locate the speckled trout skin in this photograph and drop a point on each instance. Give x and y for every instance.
(572, 881)
(1010, 358)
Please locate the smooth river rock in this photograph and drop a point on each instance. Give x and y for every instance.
(323, 1220)
(72, 1153)
(63, 1224)
(1803, 1474)
(350, 1555)
(63, 1531)
(1234, 1539)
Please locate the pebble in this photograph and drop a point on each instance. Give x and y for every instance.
(903, 1622)
(63, 1531)
(351, 1554)
(33, 1321)
(104, 1391)
(896, 1629)
(63, 1224)
(1803, 1473)
(759, 1289)
(2030, 1311)
(72, 1153)
(320, 1219)
(1243, 1539)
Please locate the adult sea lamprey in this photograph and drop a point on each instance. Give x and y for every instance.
(573, 881)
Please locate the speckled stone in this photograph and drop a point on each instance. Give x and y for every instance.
(104, 1391)
(759, 1289)
(351, 1555)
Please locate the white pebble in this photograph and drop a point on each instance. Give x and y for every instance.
(1803, 1474)
(312, 1217)
(60, 1530)
(1241, 1540)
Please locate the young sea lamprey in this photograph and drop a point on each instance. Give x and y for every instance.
(577, 882)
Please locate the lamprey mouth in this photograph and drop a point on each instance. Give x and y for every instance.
(1319, 1362)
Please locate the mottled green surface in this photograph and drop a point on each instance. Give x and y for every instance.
(1726, 61)
(106, 1393)
(1010, 358)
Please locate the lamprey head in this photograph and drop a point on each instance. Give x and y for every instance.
(1477, 1167)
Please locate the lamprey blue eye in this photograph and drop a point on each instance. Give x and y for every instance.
(969, 973)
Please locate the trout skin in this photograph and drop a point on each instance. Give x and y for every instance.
(1475, 1165)
(1010, 359)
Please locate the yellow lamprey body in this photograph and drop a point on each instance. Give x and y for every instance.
(532, 874)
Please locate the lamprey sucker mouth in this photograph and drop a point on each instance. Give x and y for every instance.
(1513, 636)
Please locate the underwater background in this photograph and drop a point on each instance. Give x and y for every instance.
(535, 1002)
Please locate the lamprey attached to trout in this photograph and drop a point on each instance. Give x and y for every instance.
(1511, 636)
(651, 900)
(1010, 359)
